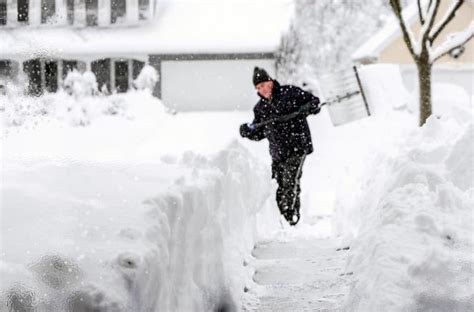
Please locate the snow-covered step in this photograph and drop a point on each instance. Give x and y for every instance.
(300, 275)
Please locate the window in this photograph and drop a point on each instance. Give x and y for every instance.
(137, 68)
(121, 76)
(68, 66)
(91, 12)
(32, 68)
(23, 9)
(5, 68)
(101, 70)
(70, 11)
(48, 8)
(143, 6)
(118, 10)
(71, 65)
(51, 76)
(5, 74)
(3, 12)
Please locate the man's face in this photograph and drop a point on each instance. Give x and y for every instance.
(265, 89)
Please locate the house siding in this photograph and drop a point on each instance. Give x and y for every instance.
(398, 53)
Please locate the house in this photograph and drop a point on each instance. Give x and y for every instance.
(387, 46)
(204, 51)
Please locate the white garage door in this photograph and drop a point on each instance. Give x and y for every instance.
(211, 85)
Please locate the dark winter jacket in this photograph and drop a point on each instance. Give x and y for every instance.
(287, 138)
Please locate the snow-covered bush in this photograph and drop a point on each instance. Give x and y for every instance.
(80, 84)
(79, 102)
(77, 109)
(147, 78)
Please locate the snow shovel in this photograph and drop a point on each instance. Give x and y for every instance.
(347, 109)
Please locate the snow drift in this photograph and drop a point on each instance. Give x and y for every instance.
(102, 209)
(211, 230)
(180, 250)
(404, 203)
(410, 221)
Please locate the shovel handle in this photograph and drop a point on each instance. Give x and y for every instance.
(282, 118)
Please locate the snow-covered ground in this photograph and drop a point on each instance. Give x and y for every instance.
(411, 223)
(407, 211)
(116, 204)
(113, 204)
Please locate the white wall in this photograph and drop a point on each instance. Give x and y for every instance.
(211, 85)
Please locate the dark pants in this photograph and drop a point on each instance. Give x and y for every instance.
(288, 174)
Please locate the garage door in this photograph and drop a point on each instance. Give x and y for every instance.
(210, 85)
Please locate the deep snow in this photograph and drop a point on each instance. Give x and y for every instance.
(406, 211)
(412, 224)
(118, 202)
(113, 213)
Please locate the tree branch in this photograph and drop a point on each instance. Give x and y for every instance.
(456, 41)
(397, 9)
(429, 4)
(430, 18)
(450, 14)
(420, 13)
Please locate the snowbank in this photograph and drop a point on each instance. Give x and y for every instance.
(412, 223)
(218, 230)
(110, 211)
(115, 246)
(404, 203)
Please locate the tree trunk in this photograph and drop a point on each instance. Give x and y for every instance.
(424, 79)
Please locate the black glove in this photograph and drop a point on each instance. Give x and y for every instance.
(246, 129)
(311, 108)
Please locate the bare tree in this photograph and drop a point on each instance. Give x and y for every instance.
(422, 47)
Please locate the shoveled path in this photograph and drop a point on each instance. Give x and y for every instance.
(300, 274)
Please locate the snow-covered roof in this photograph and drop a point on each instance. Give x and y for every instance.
(372, 48)
(207, 26)
(377, 43)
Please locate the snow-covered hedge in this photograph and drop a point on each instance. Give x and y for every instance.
(412, 224)
(76, 109)
(79, 102)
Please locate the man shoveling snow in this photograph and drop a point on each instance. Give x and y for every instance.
(280, 116)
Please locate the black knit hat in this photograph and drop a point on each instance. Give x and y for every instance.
(260, 75)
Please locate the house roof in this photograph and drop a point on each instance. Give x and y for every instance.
(179, 26)
(388, 34)
(391, 31)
